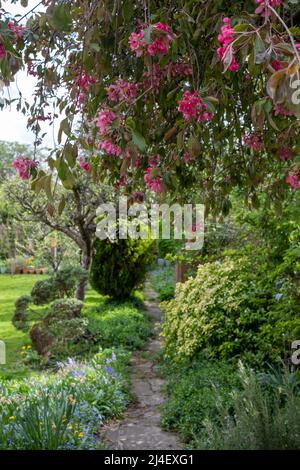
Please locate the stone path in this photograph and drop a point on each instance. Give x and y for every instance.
(140, 428)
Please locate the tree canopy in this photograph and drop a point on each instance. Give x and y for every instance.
(175, 97)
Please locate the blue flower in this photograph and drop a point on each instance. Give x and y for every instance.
(109, 370)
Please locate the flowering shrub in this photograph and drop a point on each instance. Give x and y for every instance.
(64, 410)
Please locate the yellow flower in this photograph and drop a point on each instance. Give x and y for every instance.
(11, 418)
(80, 434)
(29, 347)
(23, 347)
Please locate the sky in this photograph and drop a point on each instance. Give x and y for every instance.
(13, 123)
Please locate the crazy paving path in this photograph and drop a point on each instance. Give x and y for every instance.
(140, 427)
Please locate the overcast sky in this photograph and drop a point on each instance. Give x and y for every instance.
(13, 123)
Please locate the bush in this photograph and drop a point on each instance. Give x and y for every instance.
(63, 309)
(21, 309)
(262, 417)
(194, 391)
(60, 329)
(62, 284)
(65, 410)
(119, 325)
(119, 267)
(232, 309)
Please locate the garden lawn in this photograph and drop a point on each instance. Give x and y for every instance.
(12, 287)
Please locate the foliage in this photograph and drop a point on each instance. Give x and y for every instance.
(264, 415)
(65, 410)
(194, 391)
(21, 308)
(61, 327)
(238, 306)
(61, 284)
(163, 282)
(219, 77)
(119, 324)
(119, 267)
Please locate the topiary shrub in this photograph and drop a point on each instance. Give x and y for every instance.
(43, 292)
(119, 267)
(62, 284)
(21, 309)
(56, 334)
(63, 309)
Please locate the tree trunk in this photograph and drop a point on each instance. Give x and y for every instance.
(85, 264)
(180, 271)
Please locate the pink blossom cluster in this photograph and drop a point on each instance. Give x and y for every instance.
(154, 183)
(263, 8)
(254, 141)
(84, 81)
(24, 166)
(293, 180)
(286, 153)
(15, 28)
(225, 38)
(187, 157)
(2, 51)
(193, 108)
(31, 70)
(84, 165)
(122, 91)
(121, 182)
(105, 120)
(276, 65)
(280, 110)
(109, 147)
(160, 44)
(42, 117)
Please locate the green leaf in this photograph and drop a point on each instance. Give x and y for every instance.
(138, 140)
(61, 18)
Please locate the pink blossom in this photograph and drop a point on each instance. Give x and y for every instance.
(253, 141)
(109, 147)
(42, 117)
(84, 165)
(105, 120)
(293, 181)
(121, 182)
(30, 69)
(24, 166)
(193, 108)
(159, 45)
(276, 65)
(280, 110)
(297, 46)
(84, 81)
(2, 51)
(154, 183)
(286, 153)
(225, 38)
(263, 8)
(18, 30)
(122, 91)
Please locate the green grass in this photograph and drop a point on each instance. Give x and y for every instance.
(12, 287)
